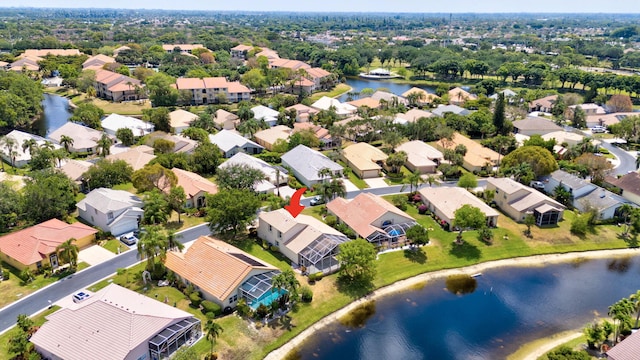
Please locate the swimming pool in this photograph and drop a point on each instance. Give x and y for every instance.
(267, 298)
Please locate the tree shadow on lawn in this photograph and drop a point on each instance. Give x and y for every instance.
(416, 255)
(630, 239)
(354, 288)
(465, 251)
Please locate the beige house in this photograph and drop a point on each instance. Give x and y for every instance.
(303, 112)
(137, 157)
(184, 48)
(477, 157)
(425, 98)
(50, 52)
(85, 139)
(544, 104)
(181, 119)
(116, 87)
(459, 96)
(225, 120)
(365, 160)
(240, 51)
(213, 90)
(223, 273)
(420, 156)
(195, 187)
(629, 184)
(444, 201)
(518, 201)
(98, 61)
(268, 137)
(412, 116)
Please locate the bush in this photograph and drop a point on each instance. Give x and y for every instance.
(210, 307)
(422, 209)
(400, 202)
(311, 278)
(6, 274)
(274, 248)
(306, 295)
(319, 275)
(195, 299)
(331, 220)
(580, 224)
(486, 235)
(262, 311)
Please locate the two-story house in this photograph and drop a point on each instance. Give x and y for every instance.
(114, 211)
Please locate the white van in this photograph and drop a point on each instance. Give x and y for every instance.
(598, 129)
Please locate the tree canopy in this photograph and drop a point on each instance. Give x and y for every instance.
(357, 260)
(540, 159)
(228, 212)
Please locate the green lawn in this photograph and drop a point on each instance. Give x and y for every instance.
(4, 338)
(337, 91)
(361, 184)
(114, 244)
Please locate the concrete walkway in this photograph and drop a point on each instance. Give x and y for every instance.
(94, 255)
(375, 183)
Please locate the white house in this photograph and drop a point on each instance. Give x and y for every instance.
(231, 143)
(114, 211)
(113, 122)
(85, 139)
(306, 163)
(266, 114)
(275, 176)
(181, 119)
(341, 109)
(21, 157)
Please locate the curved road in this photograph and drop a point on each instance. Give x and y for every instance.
(627, 161)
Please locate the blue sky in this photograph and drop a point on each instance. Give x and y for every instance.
(422, 6)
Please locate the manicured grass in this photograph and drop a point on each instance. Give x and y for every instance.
(185, 222)
(126, 187)
(4, 338)
(361, 184)
(337, 91)
(114, 244)
(14, 289)
(398, 180)
(122, 108)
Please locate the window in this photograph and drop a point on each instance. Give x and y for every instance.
(280, 234)
(233, 299)
(278, 243)
(110, 215)
(204, 91)
(270, 228)
(39, 264)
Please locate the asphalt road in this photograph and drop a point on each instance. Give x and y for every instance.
(627, 161)
(39, 300)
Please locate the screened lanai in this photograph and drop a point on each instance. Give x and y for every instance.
(163, 345)
(256, 287)
(390, 233)
(319, 254)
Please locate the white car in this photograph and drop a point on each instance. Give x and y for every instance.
(80, 297)
(598, 129)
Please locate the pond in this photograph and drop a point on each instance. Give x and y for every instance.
(357, 84)
(509, 308)
(55, 114)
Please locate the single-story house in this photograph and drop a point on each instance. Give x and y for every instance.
(365, 160)
(304, 240)
(35, 246)
(195, 187)
(181, 144)
(627, 349)
(266, 114)
(184, 48)
(98, 61)
(412, 116)
(21, 157)
(50, 52)
(518, 201)
(225, 120)
(305, 163)
(477, 156)
(341, 109)
(74, 169)
(544, 104)
(425, 97)
(276, 176)
(371, 217)
(326, 140)
(561, 137)
(454, 109)
(459, 96)
(607, 120)
(114, 211)
(588, 108)
(137, 156)
(369, 102)
(85, 139)
(534, 125)
(112, 123)
(223, 273)
(444, 201)
(269, 137)
(303, 112)
(231, 143)
(576, 186)
(629, 184)
(389, 98)
(181, 119)
(116, 323)
(509, 95)
(421, 157)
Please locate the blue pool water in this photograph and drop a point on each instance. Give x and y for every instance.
(268, 298)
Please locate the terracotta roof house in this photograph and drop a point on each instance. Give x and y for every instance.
(533, 125)
(304, 240)
(231, 143)
(426, 98)
(371, 217)
(459, 96)
(98, 61)
(50, 52)
(271, 172)
(29, 63)
(74, 169)
(518, 201)
(35, 246)
(629, 184)
(268, 137)
(341, 109)
(225, 120)
(369, 102)
(137, 156)
(184, 48)
(326, 140)
(21, 157)
(544, 104)
(278, 63)
(120, 49)
(240, 51)
(306, 163)
(212, 90)
(317, 76)
(421, 157)
(444, 201)
(627, 349)
(477, 156)
(365, 160)
(181, 119)
(116, 324)
(112, 123)
(441, 110)
(116, 87)
(389, 98)
(266, 114)
(223, 273)
(195, 187)
(303, 112)
(114, 211)
(607, 119)
(268, 53)
(412, 116)
(85, 139)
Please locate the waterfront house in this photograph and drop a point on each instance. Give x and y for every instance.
(444, 201)
(518, 201)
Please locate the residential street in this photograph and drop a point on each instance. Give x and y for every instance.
(627, 161)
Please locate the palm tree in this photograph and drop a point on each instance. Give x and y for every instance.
(68, 252)
(30, 145)
(621, 312)
(212, 330)
(172, 241)
(91, 92)
(152, 244)
(104, 145)
(431, 180)
(9, 144)
(66, 142)
(625, 211)
(415, 179)
(635, 299)
(59, 155)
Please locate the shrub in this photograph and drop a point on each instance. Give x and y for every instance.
(580, 224)
(331, 220)
(262, 311)
(319, 275)
(274, 248)
(6, 274)
(311, 278)
(195, 299)
(486, 235)
(422, 209)
(306, 294)
(210, 307)
(400, 202)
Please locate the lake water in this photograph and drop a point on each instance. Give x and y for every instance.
(55, 114)
(510, 307)
(357, 84)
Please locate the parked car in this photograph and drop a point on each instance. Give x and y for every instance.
(598, 129)
(317, 200)
(537, 185)
(128, 239)
(80, 297)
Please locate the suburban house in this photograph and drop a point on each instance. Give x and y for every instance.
(441, 110)
(269, 137)
(50, 52)
(303, 112)
(477, 157)
(21, 156)
(341, 109)
(276, 176)
(629, 184)
(213, 90)
(420, 156)
(326, 140)
(240, 51)
(459, 96)
(279, 63)
(518, 201)
(112, 123)
(369, 102)
(304, 240)
(184, 48)
(137, 156)
(268, 53)
(627, 349)
(319, 76)
(564, 137)
(589, 109)
(365, 160)
(534, 125)
(113, 211)
(607, 120)
(372, 218)
(85, 139)
(306, 163)
(181, 144)
(181, 119)
(509, 95)
(424, 97)
(225, 120)
(116, 323)
(195, 187)
(412, 116)
(74, 169)
(231, 143)
(388, 98)
(97, 62)
(444, 201)
(576, 186)
(223, 273)
(35, 246)
(120, 49)
(116, 87)
(544, 104)
(29, 63)
(266, 114)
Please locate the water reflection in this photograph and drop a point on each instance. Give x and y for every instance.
(55, 114)
(620, 265)
(461, 284)
(359, 316)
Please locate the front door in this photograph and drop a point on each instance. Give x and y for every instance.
(53, 259)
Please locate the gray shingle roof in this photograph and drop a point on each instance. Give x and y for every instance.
(227, 140)
(105, 200)
(308, 162)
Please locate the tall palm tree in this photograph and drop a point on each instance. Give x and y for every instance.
(431, 180)
(59, 155)
(104, 145)
(152, 244)
(172, 241)
(91, 92)
(68, 252)
(30, 145)
(635, 299)
(9, 144)
(212, 331)
(621, 312)
(66, 142)
(625, 211)
(415, 179)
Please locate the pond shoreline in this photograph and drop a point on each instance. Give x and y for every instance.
(402, 285)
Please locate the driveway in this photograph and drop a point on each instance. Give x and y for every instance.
(376, 183)
(95, 254)
(349, 186)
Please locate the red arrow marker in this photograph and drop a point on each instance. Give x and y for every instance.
(294, 208)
